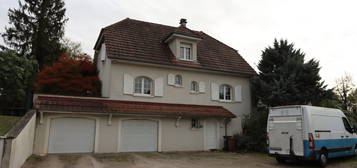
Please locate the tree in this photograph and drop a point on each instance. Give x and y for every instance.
(71, 47)
(70, 75)
(346, 92)
(36, 29)
(353, 97)
(16, 75)
(285, 78)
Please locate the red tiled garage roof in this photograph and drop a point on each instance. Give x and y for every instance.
(89, 105)
(135, 40)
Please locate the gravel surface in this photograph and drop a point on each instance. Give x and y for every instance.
(172, 160)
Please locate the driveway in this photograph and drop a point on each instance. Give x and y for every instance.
(171, 160)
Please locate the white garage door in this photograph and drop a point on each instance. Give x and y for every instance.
(71, 135)
(138, 136)
(211, 134)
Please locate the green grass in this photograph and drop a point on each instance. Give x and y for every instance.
(6, 123)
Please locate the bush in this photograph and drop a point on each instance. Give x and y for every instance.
(253, 137)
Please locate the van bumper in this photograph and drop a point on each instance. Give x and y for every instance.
(312, 156)
(292, 157)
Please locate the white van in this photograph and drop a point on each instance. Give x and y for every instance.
(308, 132)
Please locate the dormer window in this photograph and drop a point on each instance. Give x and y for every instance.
(186, 52)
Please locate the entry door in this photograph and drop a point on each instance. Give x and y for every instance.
(71, 135)
(211, 134)
(139, 136)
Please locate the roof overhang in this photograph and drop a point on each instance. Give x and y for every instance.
(99, 41)
(177, 35)
(100, 106)
(181, 67)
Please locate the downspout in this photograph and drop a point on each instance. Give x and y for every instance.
(226, 121)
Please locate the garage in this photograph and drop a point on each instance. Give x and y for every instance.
(139, 136)
(71, 135)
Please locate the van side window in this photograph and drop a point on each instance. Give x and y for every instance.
(347, 125)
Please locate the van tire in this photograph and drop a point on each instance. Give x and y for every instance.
(356, 149)
(323, 158)
(280, 159)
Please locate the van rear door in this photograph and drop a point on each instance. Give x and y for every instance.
(285, 131)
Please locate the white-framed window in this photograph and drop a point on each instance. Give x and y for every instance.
(186, 52)
(225, 92)
(178, 80)
(194, 86)
(143, 85)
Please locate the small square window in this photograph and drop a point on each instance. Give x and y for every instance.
(196, 123)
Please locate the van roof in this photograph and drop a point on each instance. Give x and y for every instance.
(298, 106)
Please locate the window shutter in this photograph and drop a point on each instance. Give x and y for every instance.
(238, 93)
(128, 84)
(214, 91)
(159, 88)
(202, 87)
(170, 79)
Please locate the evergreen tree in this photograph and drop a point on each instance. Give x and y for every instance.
(16, 75)
(285, 78)
(36, 29)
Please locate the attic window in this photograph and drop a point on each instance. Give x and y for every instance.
(186, 52)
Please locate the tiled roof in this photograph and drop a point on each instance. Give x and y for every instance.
(143, 41)
(102, 106)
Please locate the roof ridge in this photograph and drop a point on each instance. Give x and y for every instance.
(116, 23)
(142, 22)
(195, 32)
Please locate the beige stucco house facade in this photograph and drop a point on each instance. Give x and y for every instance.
(163, 89)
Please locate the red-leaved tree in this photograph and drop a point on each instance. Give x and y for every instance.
(70, 75)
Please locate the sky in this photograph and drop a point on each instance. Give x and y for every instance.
(325, 30)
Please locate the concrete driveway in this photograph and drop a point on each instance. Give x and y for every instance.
(171, 160)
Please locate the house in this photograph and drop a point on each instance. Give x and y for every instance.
(164, 88)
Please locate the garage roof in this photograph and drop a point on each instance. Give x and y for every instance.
(104, 106)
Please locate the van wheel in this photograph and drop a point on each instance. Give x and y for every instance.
(280, 159)
(323, 158)
(356, 150)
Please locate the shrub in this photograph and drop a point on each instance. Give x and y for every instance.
(253, 137)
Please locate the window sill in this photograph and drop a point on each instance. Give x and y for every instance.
(193, 92)
(142, 95)
(178, 86)
(195, 128)
(180, 59)
(226, 101)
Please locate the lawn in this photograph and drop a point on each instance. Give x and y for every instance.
(6, 123)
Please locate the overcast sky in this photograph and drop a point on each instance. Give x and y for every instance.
(324, 30)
